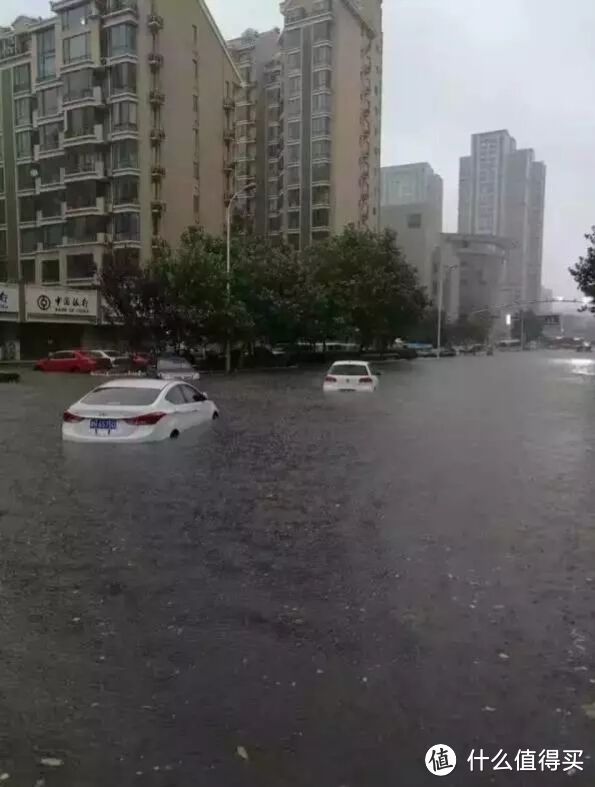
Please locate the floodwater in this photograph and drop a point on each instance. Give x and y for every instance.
(309, 592)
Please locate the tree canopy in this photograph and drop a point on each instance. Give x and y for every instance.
(584, 271)
(355, 285)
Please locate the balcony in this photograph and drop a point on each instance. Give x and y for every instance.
(156, 98)
(229, 135)
(155, 23)
(157, 172)
(157, 207)
(94, 208)
(112, 7)
(85, 136)
(228, 104)
(228, 167)
(155, 60)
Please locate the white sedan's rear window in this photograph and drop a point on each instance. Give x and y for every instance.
(349, 370)
(125, 397)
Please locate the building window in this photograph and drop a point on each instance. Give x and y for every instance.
(292, 39)
(196, 204)
(321, 148)
(121, 40)
(82, 229)
(125, 154)
(22, 112)
(322, 31)
(22, 78)
(322, 80)
(322, 55)
(50, 171)
(80, 266)
(123, 78)
(293, 220)
(195, 35)
(195, 66)
(77, 48)
(46, 54)
(50, 271)
(24, 144)
(125, 191)
(321, 127)
(2, 212)
(28, 241)
(3, 253)
(47, 102)
(294, 107)
(293, 198)
(124, 115)
(28, 271)
(294, 86)
(127, 226)
(50, 204)
(321, 102)
(293, 154)
(80, 160)
(321, 195)
(196, 170)
(294, 131)
(294, 61)
(195, 104)
(319, 236)
(321, 217)
(27, 210)
(293, 241)
(25, 181)
(321, 172)
(293, 176)
(78, 85)
(49, 136)
(76, 18)
(51, 236)
(80, 122)
(81, 195)
(414, 221)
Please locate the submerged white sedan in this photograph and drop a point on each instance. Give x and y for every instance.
(137, 411)
(350, 376)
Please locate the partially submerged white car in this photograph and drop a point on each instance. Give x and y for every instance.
(350, 376)
(137, 411)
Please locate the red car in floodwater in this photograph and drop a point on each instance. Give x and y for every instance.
(74, 361)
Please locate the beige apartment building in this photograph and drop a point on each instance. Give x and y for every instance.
(313, 118)
(117, 133)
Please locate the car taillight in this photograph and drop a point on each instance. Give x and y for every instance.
(150, 419)
(330, 379)
(365, 380)
(71, 418)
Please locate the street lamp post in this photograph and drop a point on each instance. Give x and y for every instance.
(440, 303)
(243, 190)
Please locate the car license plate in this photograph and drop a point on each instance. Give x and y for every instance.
(103, 424)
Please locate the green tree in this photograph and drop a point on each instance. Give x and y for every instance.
(584, 271)
(365, 286)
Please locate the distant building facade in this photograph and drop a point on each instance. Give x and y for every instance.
(313, 110)
(502, 193)
(412, 203)
(473, 267)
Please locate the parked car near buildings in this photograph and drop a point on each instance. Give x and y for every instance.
(72, 361)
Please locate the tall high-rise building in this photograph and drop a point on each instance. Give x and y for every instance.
(412, 197)
(502, 193)
(319, 101)
(117, 133)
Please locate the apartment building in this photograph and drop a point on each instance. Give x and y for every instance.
(257, 125)
(117, 116)
(502, 193)
(315, 118)
(412, 206)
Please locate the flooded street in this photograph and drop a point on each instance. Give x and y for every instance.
(308, 593)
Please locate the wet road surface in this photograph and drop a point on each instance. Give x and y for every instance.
(310, 592)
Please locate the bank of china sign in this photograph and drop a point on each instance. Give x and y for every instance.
(9, 299)
(61, 305)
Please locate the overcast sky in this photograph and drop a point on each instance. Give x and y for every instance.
(455, 67)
